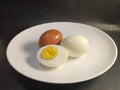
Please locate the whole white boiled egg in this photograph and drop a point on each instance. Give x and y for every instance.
(76, 45)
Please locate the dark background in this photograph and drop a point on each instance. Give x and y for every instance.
(16, 16)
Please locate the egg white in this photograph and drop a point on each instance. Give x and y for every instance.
(76, 45)
(60, 59)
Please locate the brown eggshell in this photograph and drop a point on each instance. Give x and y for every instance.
(51, 36)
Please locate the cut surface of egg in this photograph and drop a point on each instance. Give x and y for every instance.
(52, 55)
(76, 45)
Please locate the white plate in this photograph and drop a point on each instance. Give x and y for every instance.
(22, 49)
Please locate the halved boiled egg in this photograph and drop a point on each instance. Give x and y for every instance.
(52, 55)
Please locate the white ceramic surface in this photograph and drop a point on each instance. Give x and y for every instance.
(22, 50)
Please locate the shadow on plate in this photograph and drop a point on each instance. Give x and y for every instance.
(31, 49)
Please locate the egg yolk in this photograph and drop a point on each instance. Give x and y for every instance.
(49, 53)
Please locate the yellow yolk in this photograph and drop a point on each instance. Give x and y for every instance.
(49, 53)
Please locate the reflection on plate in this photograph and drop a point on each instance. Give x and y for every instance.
(22, 49)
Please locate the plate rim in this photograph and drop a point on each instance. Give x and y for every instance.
(52, 82)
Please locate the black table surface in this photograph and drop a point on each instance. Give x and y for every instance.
(16, 16)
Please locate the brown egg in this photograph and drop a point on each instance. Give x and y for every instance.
(51, 36)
